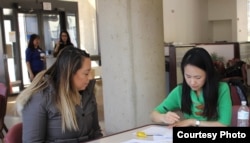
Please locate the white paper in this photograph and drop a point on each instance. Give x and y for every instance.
(12, 36)
(137, 141)
(143, 141)
(160, 133)
(47, 6)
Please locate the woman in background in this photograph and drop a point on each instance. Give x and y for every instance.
(35, 57)
(64, 41)
(202, 99)
(60, 105)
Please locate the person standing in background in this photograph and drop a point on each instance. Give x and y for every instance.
(35, 57)
(64, 41)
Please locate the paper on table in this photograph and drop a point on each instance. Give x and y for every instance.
(143, 141)
(160, 133)
(138, 141)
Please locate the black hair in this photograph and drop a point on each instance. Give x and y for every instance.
(68, 42)
(32, 38)
(200, 58)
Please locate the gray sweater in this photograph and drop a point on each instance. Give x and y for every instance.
(42, 120)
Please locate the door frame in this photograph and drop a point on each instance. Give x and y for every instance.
(60, 7)
(4, 74)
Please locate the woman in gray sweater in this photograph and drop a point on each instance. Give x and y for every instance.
(59, 105)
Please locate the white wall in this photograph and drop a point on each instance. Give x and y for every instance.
(222, 14)
(231, 15)
(196, 21)
(221, 30)
(87, 26)
(185, 21)
(242, 30)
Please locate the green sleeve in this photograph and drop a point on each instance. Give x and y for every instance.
(224, 104)
(171, 102)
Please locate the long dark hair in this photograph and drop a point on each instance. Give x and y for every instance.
(200, 58)
(32, 38)
(68, 42)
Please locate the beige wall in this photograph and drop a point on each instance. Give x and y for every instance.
(231, 15)
(185, 21)
(189, 21)
(242, 21)
(221, 9)
(87, 26)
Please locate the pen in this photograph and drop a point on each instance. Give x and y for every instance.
(143, 134)
(155, 135)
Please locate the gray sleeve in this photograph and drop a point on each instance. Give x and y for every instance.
(34, 117)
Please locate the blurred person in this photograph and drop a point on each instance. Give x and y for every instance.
(35, 57)
(63, 41)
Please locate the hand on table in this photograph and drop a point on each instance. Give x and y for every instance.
(170, 117)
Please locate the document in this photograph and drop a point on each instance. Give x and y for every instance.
(158, 134)
(144, 141)
(137, 141)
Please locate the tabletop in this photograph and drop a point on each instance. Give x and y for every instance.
(155, 134)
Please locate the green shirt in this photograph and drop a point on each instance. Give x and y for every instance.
(173, 102)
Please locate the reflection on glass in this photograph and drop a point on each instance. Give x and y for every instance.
(51, 31)
(71, 28)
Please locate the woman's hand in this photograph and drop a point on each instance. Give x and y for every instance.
(31, 76)
(57, 46)
(184, 123)
(170, 117)
(167, 118)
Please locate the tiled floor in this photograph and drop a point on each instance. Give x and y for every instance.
(12, 117)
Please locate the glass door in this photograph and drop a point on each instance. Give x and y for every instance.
(71, 27)
(47, 26)
(17, 32)
(19, 23)
(28, 24)
(51, 31)
(10, 57)
(12, 52)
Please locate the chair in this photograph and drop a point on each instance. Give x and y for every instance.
(234, 115)
(3, 105)
(15, 134)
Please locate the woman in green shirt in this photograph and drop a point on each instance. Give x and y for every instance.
(202, 98)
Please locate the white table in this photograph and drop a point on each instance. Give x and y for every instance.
(129, 136)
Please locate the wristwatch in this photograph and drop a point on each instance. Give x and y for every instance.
(197, 123)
